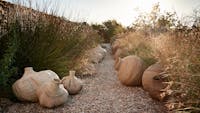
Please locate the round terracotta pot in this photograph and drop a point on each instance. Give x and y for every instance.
(151, 84)
(131, 70)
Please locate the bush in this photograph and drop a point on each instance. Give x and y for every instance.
(179, 53)
(145, 52)
(137, 44)
(8, 49)
(50, 43)
(177, 48)
(164, 39)
(109, 29)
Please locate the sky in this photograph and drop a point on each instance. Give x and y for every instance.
(124, 11)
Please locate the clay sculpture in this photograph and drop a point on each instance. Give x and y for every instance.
(72, 83)
(52, 94)
(25, 87)
(117, 63)
(153, 81)
(96, 55)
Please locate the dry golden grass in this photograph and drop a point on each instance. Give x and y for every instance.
(137, 44)
(179, 52)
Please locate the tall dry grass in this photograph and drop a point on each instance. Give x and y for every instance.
(179, 52)
(136, 43)
(165, 39)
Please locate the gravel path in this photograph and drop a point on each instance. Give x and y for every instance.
(102, 93)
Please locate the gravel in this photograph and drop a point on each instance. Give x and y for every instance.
(101, 93)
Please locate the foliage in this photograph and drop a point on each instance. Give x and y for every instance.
(44, 42)
(145, 52)
(176, 46)
(8, 50)
(137, 44)
(155, 22)
(179, 53)
(109, 29)
(163, 38)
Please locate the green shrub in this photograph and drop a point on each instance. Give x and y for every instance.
(108, 30)
(51, 43)
(135, 43)
(8, 48)
(145, 53)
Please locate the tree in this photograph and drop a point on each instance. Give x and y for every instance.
(109, 29)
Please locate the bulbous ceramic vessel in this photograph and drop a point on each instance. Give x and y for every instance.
(130, 70)
(52, 94)
(72, 83)
(152, 84)
(25, 87)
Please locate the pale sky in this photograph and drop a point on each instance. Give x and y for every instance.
(124, 11)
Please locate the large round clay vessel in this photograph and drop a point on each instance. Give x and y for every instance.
(52, 94)
(117, 63)
(25, 87)
(131, 70)
(118, 53)
(152, 85)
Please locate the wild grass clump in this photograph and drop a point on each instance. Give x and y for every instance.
(179, 53)
(43, 42)
(163, 38)
(140, 46)
(135, 43)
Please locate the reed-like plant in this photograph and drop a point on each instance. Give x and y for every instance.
(43, 42)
